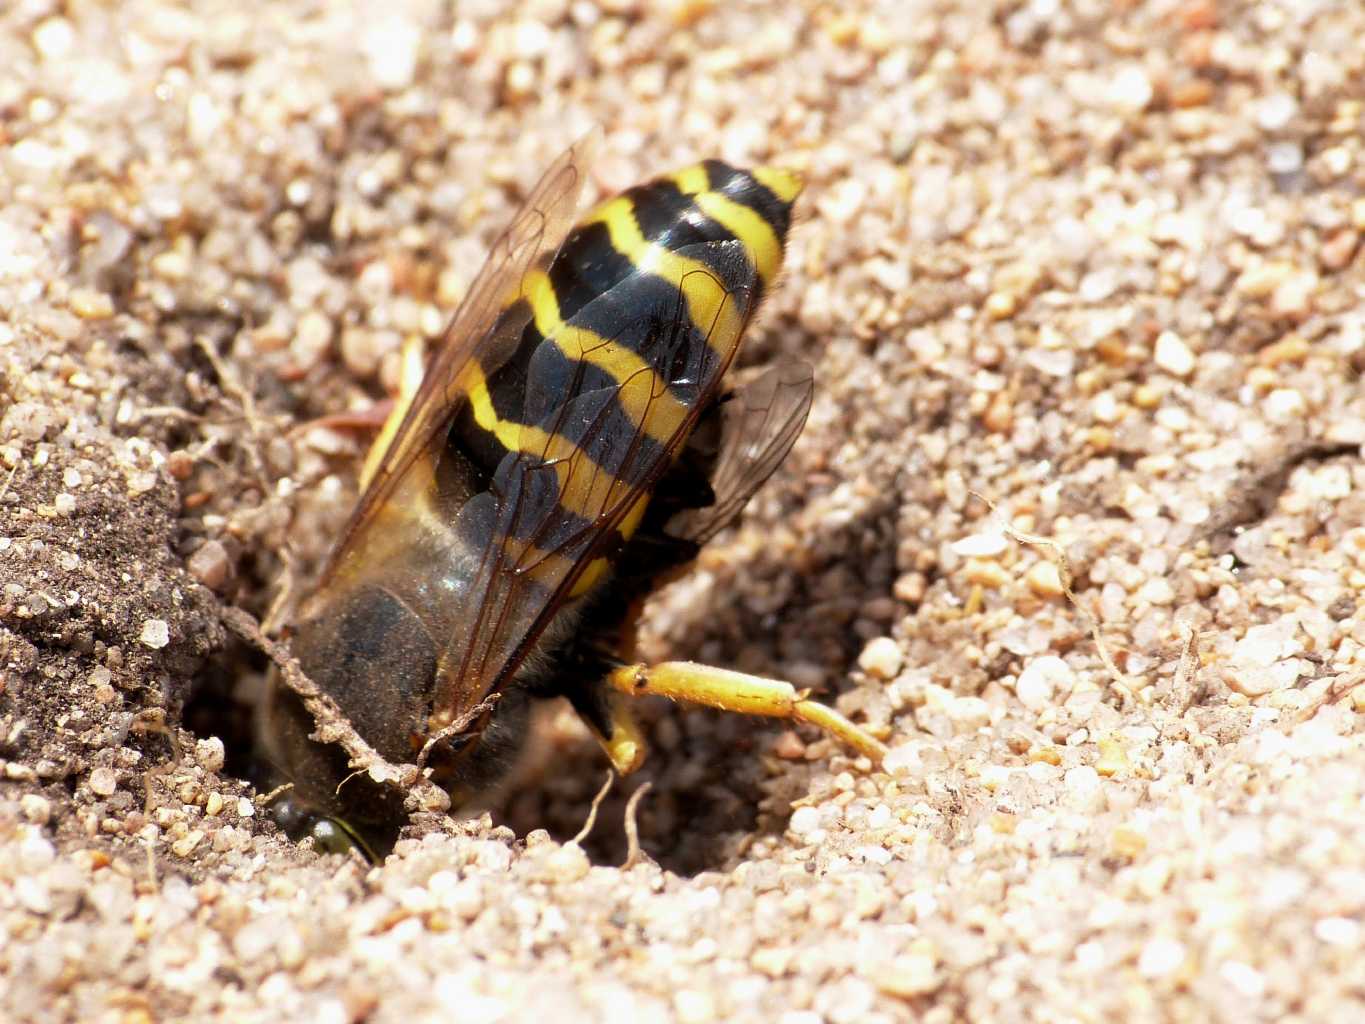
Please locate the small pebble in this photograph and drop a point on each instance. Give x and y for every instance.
(32, 894)
(1156, 592)
(391, 43)
(1083, 788)
(54, 38)
(210, 753)
(567, 864)
(1173, 355)
(155, 634)
(103, 782)
(982, 545)
(1113, 759)
(1285, 405)
(789, 746)
(881, 658)
(1131, 89)
(1338, 250)
(210, 564)
(1040, 681)
(1337, 931)
(969, 713)
(1275, 112)
(1044, 579)
(91, 305)
(694, 1006)
(985, 573)
(1161, 957)
(1293, 297)
(37, 809)
(908, 976)
(804, 820)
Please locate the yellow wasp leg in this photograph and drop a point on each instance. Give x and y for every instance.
(739, 691)
(625, 745)
(410, 371)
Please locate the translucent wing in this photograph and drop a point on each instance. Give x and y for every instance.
(560, 508)
(759, 424)
(486, 323)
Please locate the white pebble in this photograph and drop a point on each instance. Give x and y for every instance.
(902, 759)
(694, 1006)
(1284, 157)
(1131, 89)
(881, 658)
(391, 47)
(35, 853)
(1337, 931)
(568, 863)
(54, 38)
(1173, 355)
(1285, 405)
(37, 809)
(1041, 679)
(1245, 979)
(184, 846)
(981, 545)
(1083, 788)
(1264, 645)
(32, 895)
(804, 821)
(210, 754)
(103, 782)
(969, 713)
(1161, 957)
(1156, 592)
(1276, 111)
(155, 634)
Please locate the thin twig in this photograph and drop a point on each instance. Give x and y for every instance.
(592, 811)
(1185, 685)
(154, 720)
(1059, 559)
(421, 794)
(266, 799)
(635, 855)
(458, 726)
(1334, 692)
(4, 488)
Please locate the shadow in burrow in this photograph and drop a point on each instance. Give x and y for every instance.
(713, 786)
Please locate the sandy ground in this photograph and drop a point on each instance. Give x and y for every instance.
(1099, 263)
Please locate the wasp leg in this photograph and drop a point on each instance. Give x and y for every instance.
(612, 723)
(410, 371)
(739, 691)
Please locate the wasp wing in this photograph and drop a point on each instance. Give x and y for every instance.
(561, 506)
(759, 424)
(487, 323)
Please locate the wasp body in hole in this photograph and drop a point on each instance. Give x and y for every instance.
(571, 444)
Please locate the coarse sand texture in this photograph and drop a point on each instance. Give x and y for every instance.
(1076, 525)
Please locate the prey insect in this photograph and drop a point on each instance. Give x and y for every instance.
(571, 444)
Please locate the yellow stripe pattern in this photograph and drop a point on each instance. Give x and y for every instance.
(643, 390)
(711, 307)
(757, 235)
(586, 489)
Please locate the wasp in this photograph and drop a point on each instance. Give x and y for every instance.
(571, 445)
